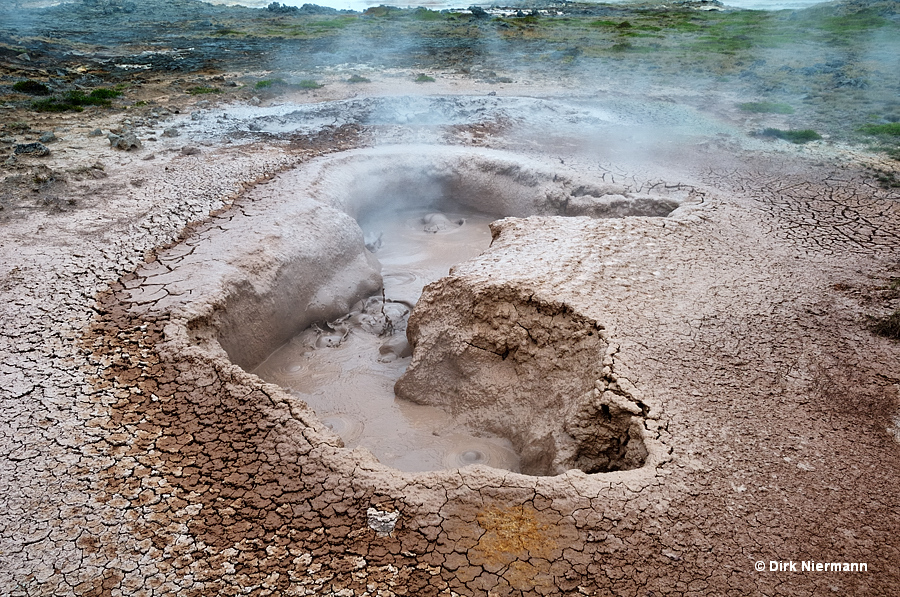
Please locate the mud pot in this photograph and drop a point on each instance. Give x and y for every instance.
(345, 369)
(526, 396)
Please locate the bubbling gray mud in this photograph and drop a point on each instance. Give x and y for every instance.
(345, 369)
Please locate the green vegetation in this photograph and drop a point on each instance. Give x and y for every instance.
(854, 22)
(423, 78)
(891, 129)
(766, 108)
(836, 58)
(203, 90)
(76, 100)
(31, 87)
(794, 136)
(282, 84)
(266, 83)
(886, 178)
(889, 326)
(423, 14)
(104, 94)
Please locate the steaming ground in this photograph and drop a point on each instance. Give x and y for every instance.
(137, 466)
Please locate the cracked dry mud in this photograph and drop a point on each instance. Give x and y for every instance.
(140, 462)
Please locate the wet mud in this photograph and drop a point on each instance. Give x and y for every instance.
(345, 370)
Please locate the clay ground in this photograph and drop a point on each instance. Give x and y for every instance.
(130, 470)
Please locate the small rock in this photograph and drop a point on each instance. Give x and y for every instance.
(196, 116)
(24, 57)
(170, 132)
(8, 140)
(254, 101)
(125, 142)
(190, 150)
(95, 133)
(47, 138)
(33, 149)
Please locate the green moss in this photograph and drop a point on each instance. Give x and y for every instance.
(766, 108)
(794, 136)
(358, 79)
(308, 84)
(423, 78)
(203, 90)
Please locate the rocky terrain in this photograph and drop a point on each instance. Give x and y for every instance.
(743, 333)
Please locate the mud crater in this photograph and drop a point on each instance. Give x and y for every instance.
(501, 363)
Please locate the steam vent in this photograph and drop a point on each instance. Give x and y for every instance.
(584, 300)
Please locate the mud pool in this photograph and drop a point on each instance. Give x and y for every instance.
(345, 370)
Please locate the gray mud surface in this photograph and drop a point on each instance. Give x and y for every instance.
(732, 310)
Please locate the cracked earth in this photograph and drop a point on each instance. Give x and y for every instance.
(137, 464)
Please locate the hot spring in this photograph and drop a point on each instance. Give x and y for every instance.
(315, 286)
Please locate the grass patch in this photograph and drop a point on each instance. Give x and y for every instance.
(766, 108)
(423, 78)
(266, 83)
(203, 90)
(358, 79)
(31, 87)
(423, 14)
(309, 84)
(76, 100)
(854, 23)
(891, 129)
(794, 136)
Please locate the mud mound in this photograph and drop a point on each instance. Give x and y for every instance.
(511, 363)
